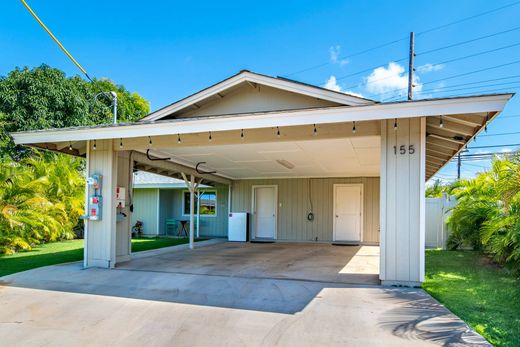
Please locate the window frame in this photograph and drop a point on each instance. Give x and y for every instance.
(184, 214)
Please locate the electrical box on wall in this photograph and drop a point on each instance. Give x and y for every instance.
(120, 197)
(95, 200)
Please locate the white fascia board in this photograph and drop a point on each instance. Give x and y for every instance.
(294, 87)
(426, 108)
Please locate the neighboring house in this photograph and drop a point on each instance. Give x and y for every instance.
(308, 164)
(158, 199)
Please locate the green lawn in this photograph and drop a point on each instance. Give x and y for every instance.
(482, 294)
(67, 251)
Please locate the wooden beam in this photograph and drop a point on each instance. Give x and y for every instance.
(451, 127)
(471, 121)
(446, 139)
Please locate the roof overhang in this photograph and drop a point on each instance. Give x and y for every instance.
(462, 118)
(409, 109)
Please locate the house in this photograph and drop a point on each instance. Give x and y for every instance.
(162, 202)
(309, 164)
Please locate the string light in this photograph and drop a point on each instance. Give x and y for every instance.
(242, 134)
(278, 132)
(121, 142)
(150, 141)
(487, 120)
(210, 138)
(70, 146)
(395, 124)
(441, 123)
(95, 145)
(315, 131)
(354, 127)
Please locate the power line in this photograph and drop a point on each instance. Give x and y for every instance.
(468, 41)
(389, 43)
(468, 18)
(452, 77)
(56, 40)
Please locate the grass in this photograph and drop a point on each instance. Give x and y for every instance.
(68, 251)
(484, 295)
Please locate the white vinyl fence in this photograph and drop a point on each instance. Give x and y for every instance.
(437, 211)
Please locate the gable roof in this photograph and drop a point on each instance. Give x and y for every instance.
(246, 76)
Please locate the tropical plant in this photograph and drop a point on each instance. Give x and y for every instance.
(41, 199)
(487, 215)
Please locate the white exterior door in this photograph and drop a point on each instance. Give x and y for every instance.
(264, 212)
(348, 200)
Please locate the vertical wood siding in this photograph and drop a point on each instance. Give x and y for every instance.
(294, 205)
(145, 210)
(402, 189)
(171, 205)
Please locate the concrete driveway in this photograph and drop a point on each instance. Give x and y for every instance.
(259, 296)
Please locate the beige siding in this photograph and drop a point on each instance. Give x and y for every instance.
(293, 200)
(402, 189)
(146, 209)
(261, 98)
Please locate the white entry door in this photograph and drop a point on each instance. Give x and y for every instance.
(348, 204)
(264, 211)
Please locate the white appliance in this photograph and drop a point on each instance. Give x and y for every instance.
(238, 226)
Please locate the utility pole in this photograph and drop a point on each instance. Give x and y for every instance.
(459, 164)
(411, 69)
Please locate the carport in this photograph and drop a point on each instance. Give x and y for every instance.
(310, 150)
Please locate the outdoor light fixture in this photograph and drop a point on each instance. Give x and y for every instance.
(150, 141)
(121, 143)
(285, 163)
(441, 123)
(278, 132)
(178, 138)
(395, 124)
(210, 138)
(315, 131)
(70, 146)
(487, 120)
(95, 146)
(354, 127)
(241, 134)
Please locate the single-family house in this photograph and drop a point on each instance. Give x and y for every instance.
(308, 164)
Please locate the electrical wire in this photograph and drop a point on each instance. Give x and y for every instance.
(389, 43)
(56, 40)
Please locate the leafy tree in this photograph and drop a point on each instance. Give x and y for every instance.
(437, 189)
(43, 97)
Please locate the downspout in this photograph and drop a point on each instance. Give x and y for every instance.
(85, 221)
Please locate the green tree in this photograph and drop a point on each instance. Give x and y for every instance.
(43, 97)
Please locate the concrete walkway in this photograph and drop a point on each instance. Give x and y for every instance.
(136, 306)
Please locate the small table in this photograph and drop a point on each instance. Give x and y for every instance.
(183, 229)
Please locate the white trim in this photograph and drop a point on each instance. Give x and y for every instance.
(340, 114)
(158, 207)
(184, 191)
(253, 205)
(273, 82)
(362, 205)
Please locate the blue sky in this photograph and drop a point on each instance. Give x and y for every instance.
(165, 50)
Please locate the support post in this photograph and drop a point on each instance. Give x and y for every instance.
(402, 203)
(198, 211)
(192, 208)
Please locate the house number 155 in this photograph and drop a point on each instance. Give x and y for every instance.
(402, 149)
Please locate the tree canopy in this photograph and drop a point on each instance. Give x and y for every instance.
(44, 97)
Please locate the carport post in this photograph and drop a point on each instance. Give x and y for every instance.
(192, 208)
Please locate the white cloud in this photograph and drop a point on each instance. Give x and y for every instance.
(390, 81)
(332, 84)
(334, 54)
(506, 150)
(429, 68)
